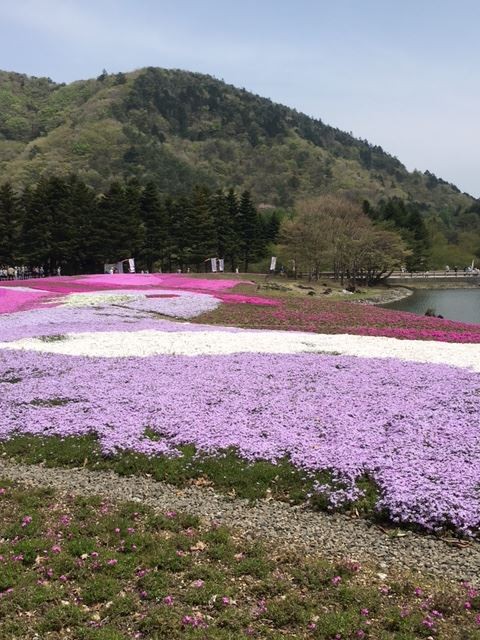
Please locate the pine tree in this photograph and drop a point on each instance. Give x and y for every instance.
(224, 225)
(234, 214)
(59, 203)
(249, 229)
(9, 221)
(36, 230)
(202, 237)
(154, 218)
(119, 229)
(178, 231)
(136, 230)
(86, 215)
(272, 228)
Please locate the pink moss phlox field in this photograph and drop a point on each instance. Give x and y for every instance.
(237, 298)
(101, 282)
(413, 428)
(322, 315)
(20, 298)
(167, 280)
(319, 315)
(12, 298)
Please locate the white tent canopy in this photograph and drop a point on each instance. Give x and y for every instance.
(123, 266)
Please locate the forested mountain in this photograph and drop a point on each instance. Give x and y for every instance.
(178, 130)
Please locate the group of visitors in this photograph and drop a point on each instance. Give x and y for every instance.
(21, 272)
(467, 271)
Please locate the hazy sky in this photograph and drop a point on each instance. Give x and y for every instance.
(403, 74)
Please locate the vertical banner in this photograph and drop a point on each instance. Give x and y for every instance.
(221, 264)
(213, 262)
(273, 263)
(131, 265)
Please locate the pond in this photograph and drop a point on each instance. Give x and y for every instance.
(454, 304)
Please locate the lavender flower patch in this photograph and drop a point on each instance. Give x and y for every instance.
(419, 441)
(65, 320)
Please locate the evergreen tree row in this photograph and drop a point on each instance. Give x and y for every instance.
(61, 222)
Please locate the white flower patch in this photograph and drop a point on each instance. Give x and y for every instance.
(172, 303)
(96, 299)
(24, 289)
(117, 344)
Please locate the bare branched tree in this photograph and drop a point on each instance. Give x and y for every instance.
(330, 232)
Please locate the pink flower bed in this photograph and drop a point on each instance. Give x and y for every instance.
(237, 298)
(167, 280)
(318, 316)
(60, 286)
(16, 299)
(322, 315)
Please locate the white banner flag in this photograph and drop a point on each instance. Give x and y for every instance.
(273, 263)
(213, 262)
(221, 264)
(131, 265)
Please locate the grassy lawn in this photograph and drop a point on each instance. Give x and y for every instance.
(276, 286)
(85, 568)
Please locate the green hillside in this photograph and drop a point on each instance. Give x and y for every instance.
(180, 129)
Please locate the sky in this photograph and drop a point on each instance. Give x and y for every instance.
(401, 74)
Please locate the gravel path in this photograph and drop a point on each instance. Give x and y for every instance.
(331, 535)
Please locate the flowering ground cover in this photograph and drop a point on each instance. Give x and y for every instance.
(173, 303)
(90, 569)
(323, 315)
(188, 297)
(19, 298)
(321, 412)
(202, 340)
(319, 315)
(383, 425)
(63, 285)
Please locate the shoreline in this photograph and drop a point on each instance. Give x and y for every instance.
(392, 294)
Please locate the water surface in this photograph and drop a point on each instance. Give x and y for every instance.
(454, 304)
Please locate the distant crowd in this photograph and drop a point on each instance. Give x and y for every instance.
(448, 271)
(467, 271)
(20, 272)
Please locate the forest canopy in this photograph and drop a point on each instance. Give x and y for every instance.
(61, 222)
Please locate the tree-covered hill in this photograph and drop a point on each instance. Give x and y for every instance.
(179, 129)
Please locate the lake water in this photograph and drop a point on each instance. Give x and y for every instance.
(454, 304)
